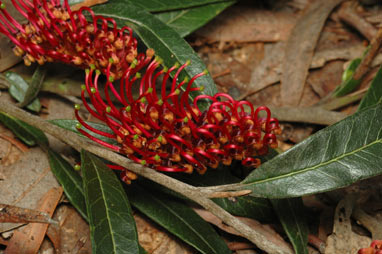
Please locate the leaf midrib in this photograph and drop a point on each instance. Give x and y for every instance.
(313, 167)
(106, 206)
(185, 222)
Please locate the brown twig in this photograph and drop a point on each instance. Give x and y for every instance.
(350, 17)
(186, 190)
(229, 194)
(317, 243)
(23, 148)
(364, 66)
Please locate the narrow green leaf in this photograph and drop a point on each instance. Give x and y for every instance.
(166, 42)
(70, 181)
(185, 21)
(334, 157)
(374, 93)
(167, 5)
(112, 226)
(292, 217)
(71, 126)
(348, 83)
(18, 88)
(178, 219)
(27, 133)
(34, 86)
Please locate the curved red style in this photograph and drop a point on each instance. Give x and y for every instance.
(160, 128)
(55, 33)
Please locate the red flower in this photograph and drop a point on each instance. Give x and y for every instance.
(163, 130)
(55, 33)
(375, 248)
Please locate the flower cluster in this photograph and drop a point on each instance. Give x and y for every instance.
(375, 248)
(160, 126)
(163, 130)
(55, 33)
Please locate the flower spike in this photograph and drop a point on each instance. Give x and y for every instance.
(165, 131)
(56, 33)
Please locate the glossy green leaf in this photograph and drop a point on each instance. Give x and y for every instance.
(34, 86)
(292, 217)
(185, 21)
(178, 219)
(348, 83)
(166, 42)
(70, 181)
(334, 157)
(27, 133)
(18, 88)
(112, 226)
(167, 5)
(374, 93)
(71, 126)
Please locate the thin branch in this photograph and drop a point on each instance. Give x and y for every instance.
(186, 190)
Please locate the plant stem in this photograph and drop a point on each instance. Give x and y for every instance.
(186, 190)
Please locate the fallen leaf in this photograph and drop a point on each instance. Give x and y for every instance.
(264, 230)
(300, 49)
(28, 239)
(343, 239)
(246, 24)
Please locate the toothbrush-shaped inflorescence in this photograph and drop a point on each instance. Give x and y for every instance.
(163, 130)
(56, 33)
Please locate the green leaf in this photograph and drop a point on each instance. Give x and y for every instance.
(292, 217)
(186, 21)
(374, 93)
(70, 181)
(27, 133)
(112, 226)
(34, 86)
(348, 83)
(71, 126)
(166, 42)
(18, 88)
(166, 5)
(178, 219)
(334, 157)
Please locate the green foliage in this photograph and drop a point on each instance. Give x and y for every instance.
(179, 219)
(166, 42)
(185, 21)
(18, 89)
(348, 82)
(336, 156)
(112, 226)
(169, 5)
(27, 133)
(71, 126)
(292, 217)
(374, 93)
(70, 181)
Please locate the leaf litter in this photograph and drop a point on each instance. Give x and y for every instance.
(253, 56)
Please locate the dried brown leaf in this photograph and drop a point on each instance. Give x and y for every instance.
(300, 49)
(28, 239)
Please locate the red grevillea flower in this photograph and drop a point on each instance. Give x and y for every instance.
(163, 130)
(55, 33)
(375, 248)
